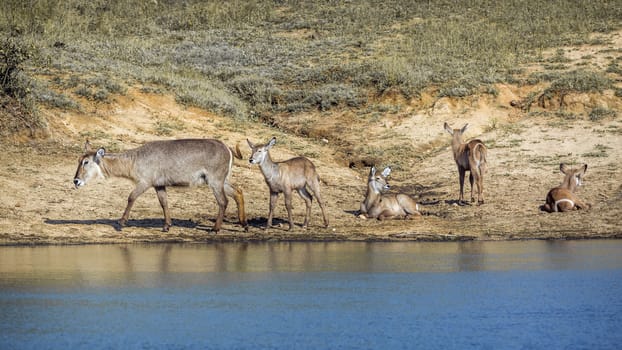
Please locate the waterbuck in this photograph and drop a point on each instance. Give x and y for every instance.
(159, 164)
(293, 174)
(470, 157)
(562, 197)
(377, 204)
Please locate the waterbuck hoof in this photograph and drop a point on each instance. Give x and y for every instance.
(480, 202)
(165, 229)
(247, 228)
(122, 222)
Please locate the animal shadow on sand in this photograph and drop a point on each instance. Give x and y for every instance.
(145, 223)
(277, 224)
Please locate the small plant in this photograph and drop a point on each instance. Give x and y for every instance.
(599, 113)
(559, 57)
(492, 125)
(614, 68)
(166, 127)
(600, 151)
(454, 91)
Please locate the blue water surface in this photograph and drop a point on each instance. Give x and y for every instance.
(520, 295)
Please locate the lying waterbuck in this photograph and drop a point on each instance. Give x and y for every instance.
(294, 174)
(377, 204)
(562, 198)
(470, 157)
(160, 164)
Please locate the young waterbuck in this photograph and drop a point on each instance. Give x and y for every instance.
(294, 174)
(159, 164)
(562, 198)
(470, 157)
(382, 206)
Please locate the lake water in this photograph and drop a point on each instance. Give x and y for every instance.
(484, 295)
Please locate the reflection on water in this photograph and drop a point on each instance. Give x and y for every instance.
(96, 264)
(313, 295)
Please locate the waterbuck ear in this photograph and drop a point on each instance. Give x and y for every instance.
(271, 143)
(99, 155)
(563, 168)
(386, 172)
(250, 144)
(372, 171)
(584, 169)
(466, 126)
(87, 146)
(448, 129)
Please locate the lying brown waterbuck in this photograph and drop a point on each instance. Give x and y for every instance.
(159, 164)
(562, 197)
(471, 157)
(297, 174)
(380, 205)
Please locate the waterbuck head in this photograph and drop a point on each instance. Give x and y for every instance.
(456, 133)
(573, 177)
(260, 152)
(88, 167)
(379, 183)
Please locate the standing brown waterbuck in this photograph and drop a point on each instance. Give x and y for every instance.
(377, 204)
(562, 197)
(159, 164)
(293, 174)
(469, 157)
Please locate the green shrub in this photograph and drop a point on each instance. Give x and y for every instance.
(580, 81)
(13, 54)
(601, 113)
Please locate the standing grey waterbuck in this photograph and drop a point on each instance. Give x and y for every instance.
(470, 157)
(381, 205)
(562, 197)
(294, 174)
(159, 164)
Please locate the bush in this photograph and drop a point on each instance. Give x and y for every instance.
(599, 113)
(580, 81)
(255, 90)
(13, 53)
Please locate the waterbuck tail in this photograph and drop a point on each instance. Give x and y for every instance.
(480, 153)
(236, 151)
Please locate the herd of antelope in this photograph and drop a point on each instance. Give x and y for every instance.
(193, 162)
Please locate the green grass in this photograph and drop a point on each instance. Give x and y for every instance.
(254, 58)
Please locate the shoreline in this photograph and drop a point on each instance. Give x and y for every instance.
(7, 240)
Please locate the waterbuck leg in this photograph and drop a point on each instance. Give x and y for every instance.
(480, 188)
(221, 199)
(306, 196)
(471, 181)
(288, 206)
(141, 187)
(273, 197)
(238, 197)
(461, 173)
(161, 192)
(580, 204)
(315, 188)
